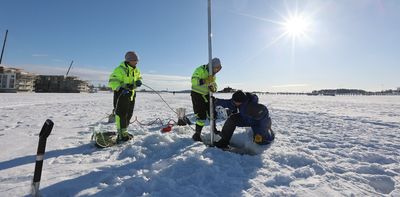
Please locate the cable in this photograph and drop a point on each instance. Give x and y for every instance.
(157, 120)
(155, 91)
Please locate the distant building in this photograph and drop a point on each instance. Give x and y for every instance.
(15, 79)
(8, 79)
(25, 81)
(84, 86)
(60, 83)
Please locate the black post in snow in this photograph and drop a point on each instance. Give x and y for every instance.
(4, 44)
(44, 133)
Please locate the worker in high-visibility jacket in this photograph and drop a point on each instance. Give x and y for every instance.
(202, 84)
(123, 81)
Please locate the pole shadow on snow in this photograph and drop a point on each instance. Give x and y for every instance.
(30, 159)
(179, 168)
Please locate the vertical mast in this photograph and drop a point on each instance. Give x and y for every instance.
(210, 72)
(4, 45)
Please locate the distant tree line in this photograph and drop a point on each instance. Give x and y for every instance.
(324, 92)
(332, 92)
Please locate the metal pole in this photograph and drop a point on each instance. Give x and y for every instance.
(69, 67)
(4, 44)
(44, 133)
(210, 72)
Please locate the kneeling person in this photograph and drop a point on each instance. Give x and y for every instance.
(247, 113)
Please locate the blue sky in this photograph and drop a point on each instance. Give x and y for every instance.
(347, 44)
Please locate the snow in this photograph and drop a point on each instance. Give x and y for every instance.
(325, 146)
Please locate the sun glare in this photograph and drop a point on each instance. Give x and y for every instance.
(296, 26)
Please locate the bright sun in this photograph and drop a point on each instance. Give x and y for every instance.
(296, 26)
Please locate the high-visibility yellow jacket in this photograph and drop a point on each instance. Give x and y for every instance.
(124, 75)
(202, 73)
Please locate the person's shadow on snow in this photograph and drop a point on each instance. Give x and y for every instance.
(31, 159)
(166, 165)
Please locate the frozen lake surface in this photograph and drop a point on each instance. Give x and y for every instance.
(325, 146)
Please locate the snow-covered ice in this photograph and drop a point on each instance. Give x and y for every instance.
(325, 146)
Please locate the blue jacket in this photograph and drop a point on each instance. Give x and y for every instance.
(252, 115)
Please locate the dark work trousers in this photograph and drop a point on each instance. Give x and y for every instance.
(123, 108)
(229, 127)
(201, 107)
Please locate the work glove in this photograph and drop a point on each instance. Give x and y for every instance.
(138, 83)
(125, 91)
(209, 79)
(202, 81)
(212, 87)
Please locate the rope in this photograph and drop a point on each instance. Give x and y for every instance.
(98, 122)
(157, 120)
(155, 91)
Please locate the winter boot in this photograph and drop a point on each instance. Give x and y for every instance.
(222, 144)
(123, 136)
(197, 135)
